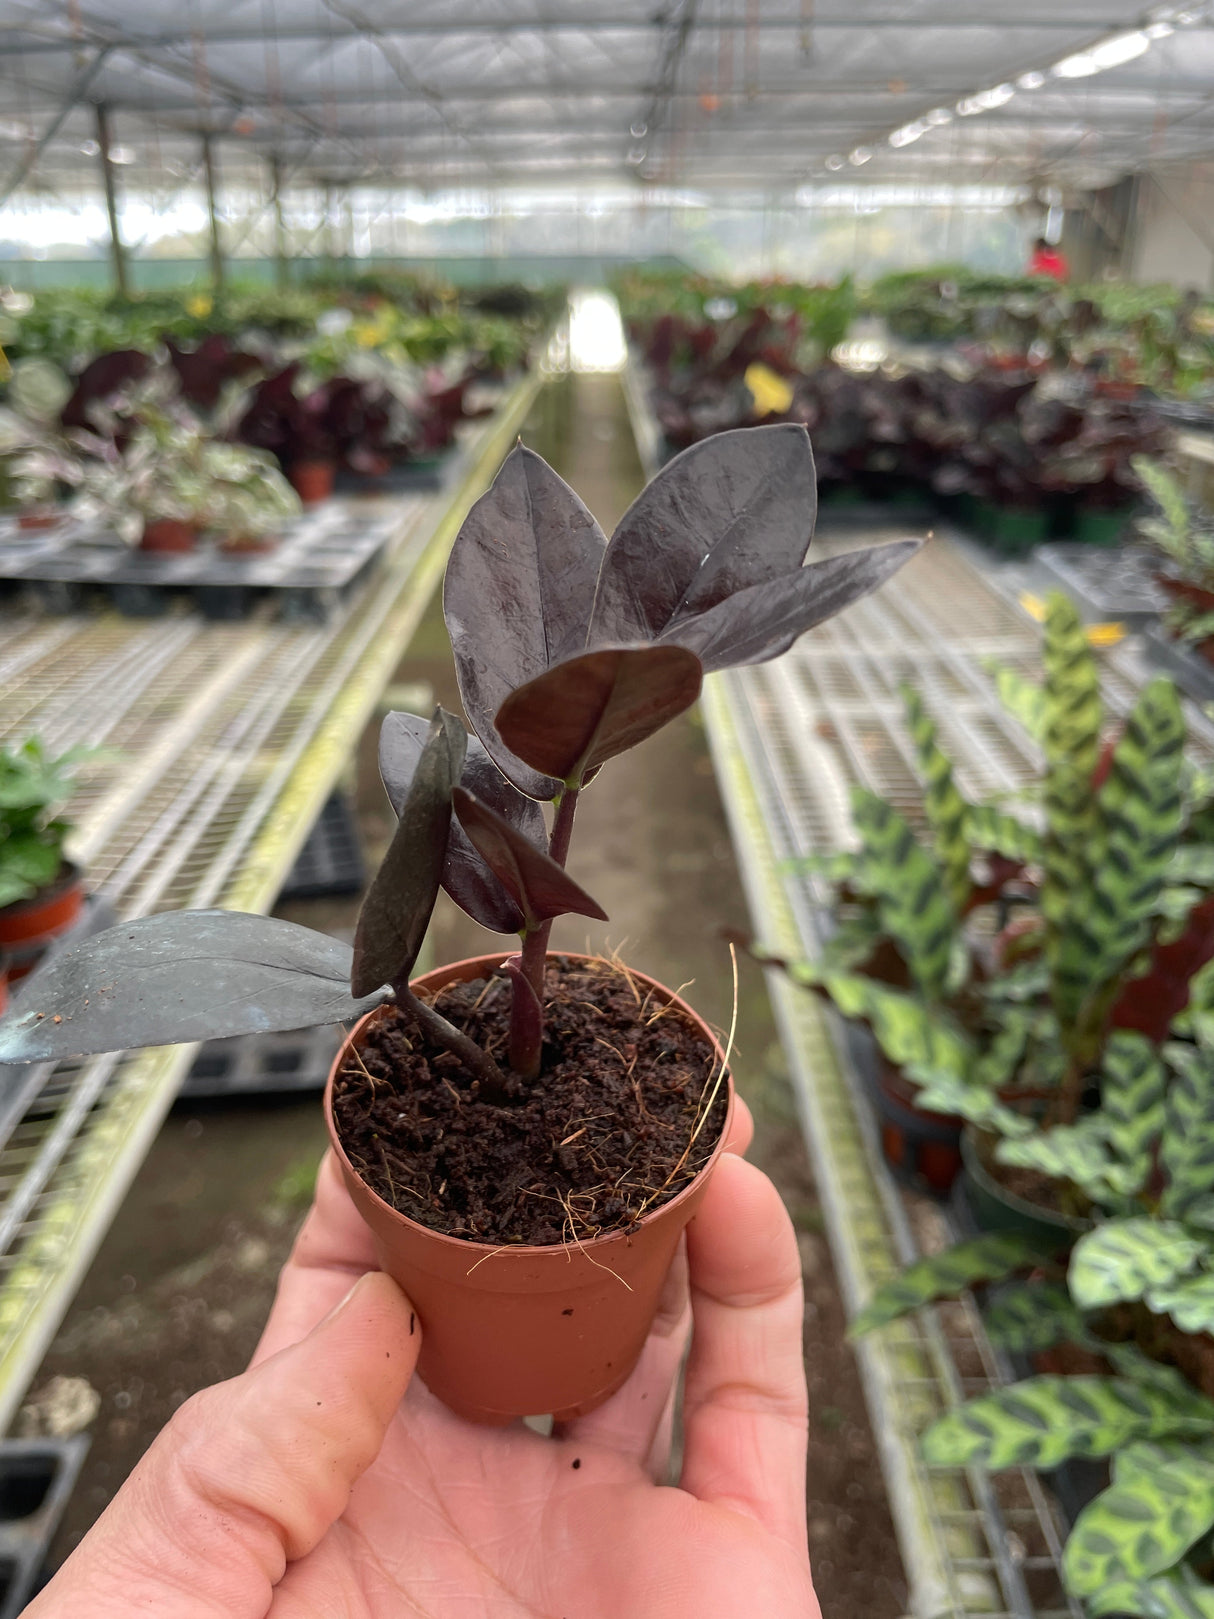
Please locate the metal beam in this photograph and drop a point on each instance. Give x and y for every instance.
(117, 251)
(282, 274)
(451, 26)
(208, 169)
(70, 99)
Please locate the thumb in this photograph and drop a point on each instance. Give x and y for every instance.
(248, 1475)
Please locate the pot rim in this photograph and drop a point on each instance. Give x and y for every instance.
(971, 1158)
(68, 876)
(529, 1250)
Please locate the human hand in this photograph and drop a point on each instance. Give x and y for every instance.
(323, 1484)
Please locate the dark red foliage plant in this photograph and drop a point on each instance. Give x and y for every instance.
(570, 648)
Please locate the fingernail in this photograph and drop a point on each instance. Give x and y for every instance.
(345, 1301)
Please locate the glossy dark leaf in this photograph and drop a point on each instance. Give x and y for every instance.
(396, 911)
(466, 877)
(728, 514)
(539, 887)
(584, 711)
(519, 589)
(762, 622)
(186, 975)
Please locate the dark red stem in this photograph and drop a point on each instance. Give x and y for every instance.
(527, 1029)
(477, 1061)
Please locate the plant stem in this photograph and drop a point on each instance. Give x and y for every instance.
(526, 1029)
(474, 1059)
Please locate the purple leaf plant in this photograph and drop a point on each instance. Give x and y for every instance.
(570, 648)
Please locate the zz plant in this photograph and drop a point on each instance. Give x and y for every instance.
(569, 650)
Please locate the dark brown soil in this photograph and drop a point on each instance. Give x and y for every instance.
(613, 1128)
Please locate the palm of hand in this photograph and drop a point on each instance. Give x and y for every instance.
(453, 1522)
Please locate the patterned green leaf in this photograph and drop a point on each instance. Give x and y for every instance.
(1028, 1316)
(945, 1092)
(1189, 1301)
(1122, 870)
(944, 1276)
(908, 1032)
(1127, 1360)
(1071, 738)
(911, 893)
(1026, 982)
(1023, 699)
(943, 804)
(1160, 1503)
(1192, 863)
(1121, 1259)
(1187, 1152)
(1132, 1086)
(1178, 1595)
(1045, 1420)
(1071, 1152)
(994, 831)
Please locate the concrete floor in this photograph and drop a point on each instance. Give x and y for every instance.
(177, 1295)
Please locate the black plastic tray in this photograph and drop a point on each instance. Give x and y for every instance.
(262, 1065)
(1113, 583)
(331, 861)
(37, 1477)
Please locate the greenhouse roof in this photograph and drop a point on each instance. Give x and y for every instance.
(763, 95)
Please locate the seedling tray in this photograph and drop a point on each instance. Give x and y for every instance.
(331, 861)
(1115, 584)
(36, 1478)
(262, 1065)
(321, 556)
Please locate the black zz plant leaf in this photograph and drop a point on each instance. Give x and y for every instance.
(540, 888)
(709, 555)
(182, 976)
(574, 717)
(466, 877)
(517, 596)
(396, 911)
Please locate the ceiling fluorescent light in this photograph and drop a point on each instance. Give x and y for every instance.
(1121, 48)
(908, 133)
(1081, 66)
(859, 156)
(1158, 30)
(1031, 81)
(835, 163)
(938, 116)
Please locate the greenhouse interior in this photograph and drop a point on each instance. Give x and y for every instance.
(782, 432)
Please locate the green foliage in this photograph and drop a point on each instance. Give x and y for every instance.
(908, 1033)
(1045, 1420)
(1025, 700)
(946, 810)
(1123, 1259)
(994, 831)
(1187, 1150)
(944, 1276)
(1072, 747)
(33, 786)
(1160, 1502)
(912, 900)
(1121, 860)
(1026, 1317)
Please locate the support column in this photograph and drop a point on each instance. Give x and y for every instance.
(208, 168)
(117, 251)
(282, 274)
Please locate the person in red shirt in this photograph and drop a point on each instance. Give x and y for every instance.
(1048, 261)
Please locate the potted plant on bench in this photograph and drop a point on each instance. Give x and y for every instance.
(525, 1134)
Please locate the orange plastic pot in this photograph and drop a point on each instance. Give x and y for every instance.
(168, 534)
(3, 990)
(514, 1331)
(29, 925)
(312, 481)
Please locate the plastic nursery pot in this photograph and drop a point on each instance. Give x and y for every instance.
(247, 545)
(3, 990)
(28, 925)
(36, 517)
(515, 1331)
(168, 534)
(312, 481)
(1096, 527)
(995, 1208)
(921, 1147)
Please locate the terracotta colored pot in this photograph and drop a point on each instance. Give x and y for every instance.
(514, 1331)
(3, 990)
(168, 534)
(235, 545)
(37, 517)
(920, 1146)
(29, 925)
(312, 481)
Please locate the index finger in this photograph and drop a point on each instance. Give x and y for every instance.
(333, 1249)
(745, 1404)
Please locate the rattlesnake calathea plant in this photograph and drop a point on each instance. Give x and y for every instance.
(1107, 873)
(1137, 1290)
(569, 650)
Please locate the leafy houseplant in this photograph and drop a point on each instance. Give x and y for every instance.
(41, 892)
(1011, 1037)
(524, 1132)
(1186, 539)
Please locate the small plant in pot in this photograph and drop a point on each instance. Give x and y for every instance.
(32, 439)
(525, 1134)
(41, 891)
(1186, 539)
